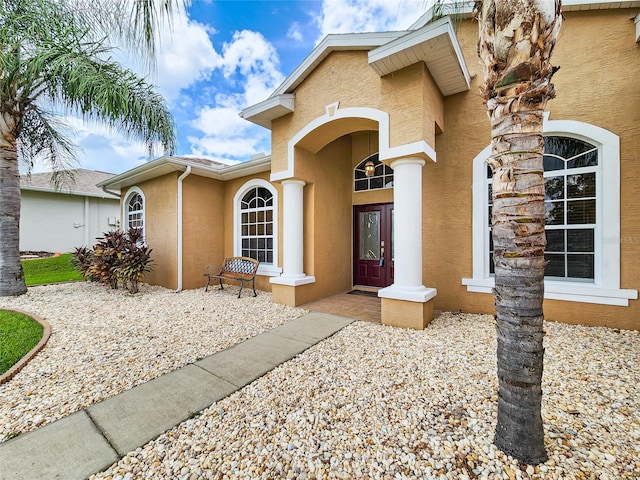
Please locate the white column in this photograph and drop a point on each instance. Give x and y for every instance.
(407, 233)
(293, 235)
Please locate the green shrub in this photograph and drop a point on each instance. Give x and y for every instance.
(81, 261)
(118, 258)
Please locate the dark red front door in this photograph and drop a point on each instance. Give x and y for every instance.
(372, 250)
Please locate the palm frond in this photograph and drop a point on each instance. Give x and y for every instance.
(107, 92)
(132, 23)
(65, 66)
(42, 138)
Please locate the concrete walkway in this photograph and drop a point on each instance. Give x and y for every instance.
(92, 439)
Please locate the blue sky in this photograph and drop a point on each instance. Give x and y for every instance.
(222, 56)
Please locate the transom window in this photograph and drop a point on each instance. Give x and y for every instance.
(135, 211)
(257, 224)
(570, 173)
(382, 175)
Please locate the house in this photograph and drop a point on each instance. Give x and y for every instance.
(58, 220)
(377, 176)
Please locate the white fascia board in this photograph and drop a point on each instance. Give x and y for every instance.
(572, 5)
(273, 107)
(637, 22)
(331, 43)
(441, 27)
(155, 168)
(69, 192)
(259, 165)
(165, 165)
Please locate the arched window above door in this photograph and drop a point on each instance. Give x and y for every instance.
(372, 174)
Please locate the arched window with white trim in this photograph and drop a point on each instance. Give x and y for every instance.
(255, 224)
(134, 210)
(582, 182)
(372, 174)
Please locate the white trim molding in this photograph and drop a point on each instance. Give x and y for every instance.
(605, 289)
(264, 269)
(125, 210)
(333, 112)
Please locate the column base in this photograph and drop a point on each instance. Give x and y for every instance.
(293, 280)
(410, 294)
(406, 314)
(291, 295)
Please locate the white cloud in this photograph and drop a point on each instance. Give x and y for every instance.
(251, 62)
(294, 32)
(186, 55)
(346, 16)
(224, 147)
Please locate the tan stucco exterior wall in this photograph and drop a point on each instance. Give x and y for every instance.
(161, 228)
(327, 224)
(409, 96)
(203, 225)
(597, 84)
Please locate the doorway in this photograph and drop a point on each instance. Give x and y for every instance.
(372, 246)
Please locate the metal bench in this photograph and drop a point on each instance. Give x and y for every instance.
(240, 269)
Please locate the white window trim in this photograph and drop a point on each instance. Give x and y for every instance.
(264, 269)
(605, 289)
(125, 210)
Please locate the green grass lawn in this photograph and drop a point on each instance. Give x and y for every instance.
(50, 270)
(18, 334)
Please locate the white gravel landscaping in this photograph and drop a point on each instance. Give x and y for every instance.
(105, 341)
(369, 402)
(386, 403)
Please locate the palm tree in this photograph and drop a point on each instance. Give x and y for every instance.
(516, 41)
(54, 55)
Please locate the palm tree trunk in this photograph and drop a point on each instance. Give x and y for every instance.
(11, 274)
(515, 45)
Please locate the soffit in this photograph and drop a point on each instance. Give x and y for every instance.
(273, 107)
(577, 5)
(436, 45)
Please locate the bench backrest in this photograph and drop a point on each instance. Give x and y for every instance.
(244, 266)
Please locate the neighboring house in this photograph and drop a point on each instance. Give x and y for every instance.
(59, 220)
(391, 104)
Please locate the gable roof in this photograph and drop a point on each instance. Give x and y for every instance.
(84, 183)
(435, 44)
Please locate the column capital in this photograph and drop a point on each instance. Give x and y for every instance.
(407, 161)
(293, 181)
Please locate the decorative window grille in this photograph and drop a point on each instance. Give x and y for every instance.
(257, 225)
(135, 211)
